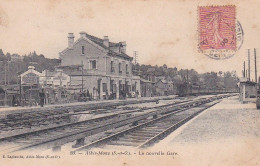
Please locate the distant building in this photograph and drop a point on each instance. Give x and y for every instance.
(158, 78)
(147, 88)
(31, 76)
(54, 84)
(56, 78)
(99, 66)
(30, 83)
(247, 90)
(164, 87)
(151, 74)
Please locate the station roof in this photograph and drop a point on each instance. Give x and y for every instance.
(248, 82)
(99, 42)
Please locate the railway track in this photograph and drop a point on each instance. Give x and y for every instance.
(123, 111)
(29, 120)
(148, 133)
(86, 127)
(57, 136)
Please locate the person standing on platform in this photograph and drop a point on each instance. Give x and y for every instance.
(88, 95)
(137, 94)
(107, 95)
(13, 100)
(42, 96)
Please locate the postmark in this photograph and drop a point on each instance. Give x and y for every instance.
(220, 34)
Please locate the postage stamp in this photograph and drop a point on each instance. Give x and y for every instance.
(220, 34)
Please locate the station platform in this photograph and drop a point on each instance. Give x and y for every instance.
(225, 134)
(8, 110)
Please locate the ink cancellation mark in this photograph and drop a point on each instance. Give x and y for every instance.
(220, 34)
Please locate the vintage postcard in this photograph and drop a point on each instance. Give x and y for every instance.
(129, 82)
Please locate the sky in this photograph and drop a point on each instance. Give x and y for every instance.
(163, 32)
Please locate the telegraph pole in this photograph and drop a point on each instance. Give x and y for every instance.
(82, 76)
(244, 72)
(5, 100)
(135, 57)
(188, 82)
(249, 64)
(255, 67)
(8, 71)
(20, 89)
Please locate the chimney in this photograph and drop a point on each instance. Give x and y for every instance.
(123, 49)
(70, 40)
(83, 34)
(106, 41)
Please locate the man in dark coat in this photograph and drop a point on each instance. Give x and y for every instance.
(13, 100)
(42, 96)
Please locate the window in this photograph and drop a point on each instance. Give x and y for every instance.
(126, 69)
(120, 69)
(104, 87)
(93, 64)
(82, 50)
(112, 67)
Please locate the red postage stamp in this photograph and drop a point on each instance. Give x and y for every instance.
(217, 30)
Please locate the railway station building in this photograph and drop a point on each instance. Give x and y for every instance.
(45, 78)
(100, 67)
(54, 84)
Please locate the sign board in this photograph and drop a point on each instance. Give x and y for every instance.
(30, 78)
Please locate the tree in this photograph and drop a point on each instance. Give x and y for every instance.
(1, 53)
(230, 80)
(194, 80)
(8, 56)
(2, 56)
(211, 80)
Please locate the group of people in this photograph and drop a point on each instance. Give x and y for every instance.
(83, 96)
(17, 100)
(86, 96)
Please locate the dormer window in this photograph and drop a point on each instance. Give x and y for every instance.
(83, 50)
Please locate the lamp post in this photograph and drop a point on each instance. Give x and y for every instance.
(82, 80)
(20, 88)
(5, 99)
